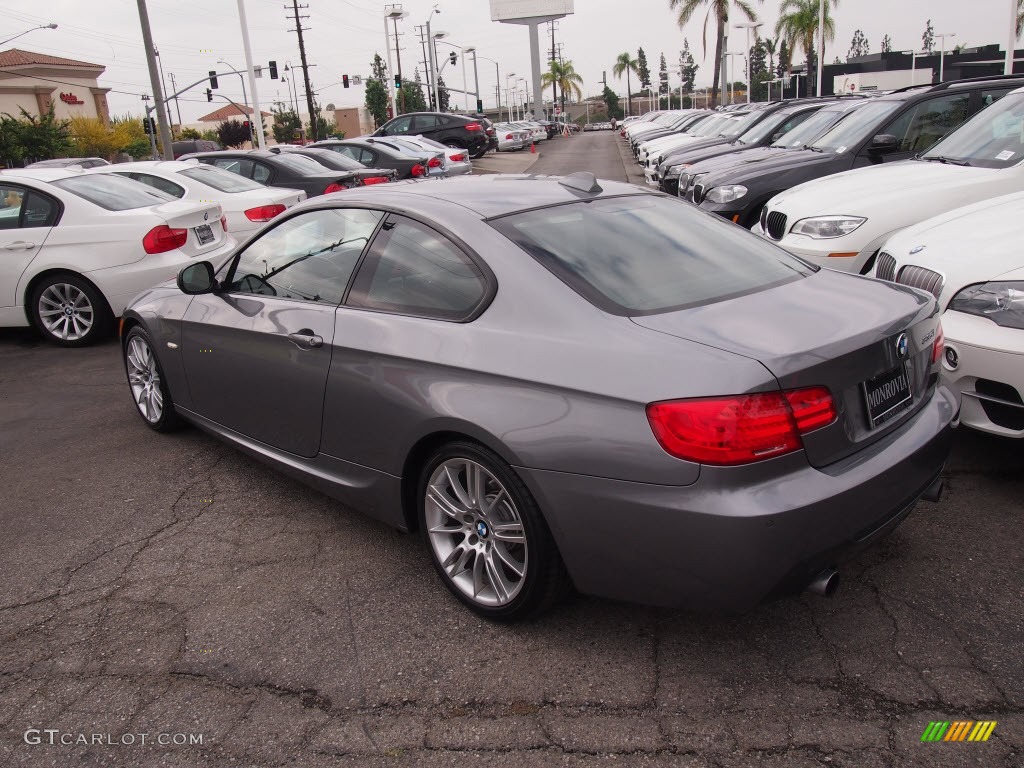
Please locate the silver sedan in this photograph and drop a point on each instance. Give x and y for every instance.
(560, 382)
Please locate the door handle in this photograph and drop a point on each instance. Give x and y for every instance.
(20, 245)
(306, 339)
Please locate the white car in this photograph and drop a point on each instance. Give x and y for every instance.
(78, 246)
(841, 221)
(662, 120)
(246, 204)
(456, 159)
(537, 132)
(510, 138)
(970, 259)
(705, 129)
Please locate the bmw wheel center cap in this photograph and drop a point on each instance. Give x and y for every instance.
(481, 529)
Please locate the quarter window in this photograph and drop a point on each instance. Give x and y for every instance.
(412, 269)
(11, 201)
(309, 257)
(157, 183)
(399, 126)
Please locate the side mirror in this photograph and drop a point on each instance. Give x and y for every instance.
(883, 144)
(197, 278)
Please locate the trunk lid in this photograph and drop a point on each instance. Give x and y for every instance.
(829, 329)
(202, 220)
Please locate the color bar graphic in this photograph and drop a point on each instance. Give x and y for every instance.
(959, 730)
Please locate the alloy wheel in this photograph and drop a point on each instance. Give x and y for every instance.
(476, 532)
(66, 312)
(144, 379)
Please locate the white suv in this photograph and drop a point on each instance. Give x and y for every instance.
(841, 221)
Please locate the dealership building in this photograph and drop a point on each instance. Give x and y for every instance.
(34, 81)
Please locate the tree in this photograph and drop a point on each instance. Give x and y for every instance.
(720, 10)
(210, 134)
(928, 38)
(285, 124)
(413, 94)
(612, 103)
(859, 46)
(43, 137)
(130, 137)
(625, 64)
(643, 72)
(189, 134)
(1020, 17)
(377, 101)
(663, 76)
(798, 23)
(91, 137)
(784, 59)
(10, 141)
(563, 75)
(760, 73)
(687, 67)
(886, 44)
(770, 48)
(443, 97)
(231, 133)
(379, 68)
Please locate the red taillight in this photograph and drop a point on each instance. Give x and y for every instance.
(333, 187)
(433, 163)
(740, 429)
(458, 158)
(162, 239)
(939, 345)
(509, 137)
(224, 222)
(474, 127)
(264, 212)
(369, 180)
(418, 170)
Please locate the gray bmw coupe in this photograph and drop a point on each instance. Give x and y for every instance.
(559, 383)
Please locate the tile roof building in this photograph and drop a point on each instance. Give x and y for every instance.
(33, 81)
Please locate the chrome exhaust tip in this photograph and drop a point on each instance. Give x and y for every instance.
(825, 583)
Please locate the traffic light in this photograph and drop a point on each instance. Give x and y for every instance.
(209, 95)
(273, 70)
(398, 81)
(213, 78)
(480, 105)
(344, 80)
(245, 125)
(453, 57)
(149, 125)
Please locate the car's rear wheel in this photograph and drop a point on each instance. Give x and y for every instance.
(69, 310)
(486, 536)
(452, 144)
(146, 379)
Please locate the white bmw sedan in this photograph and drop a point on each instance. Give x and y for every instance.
(970, 260)
(246, 203)
(78, 246)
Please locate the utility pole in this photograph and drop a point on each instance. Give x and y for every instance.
(554, 58)
(154, 79)
(163, 80)
(177, 106)
(314, 122)
(398, 57)
(426, 68)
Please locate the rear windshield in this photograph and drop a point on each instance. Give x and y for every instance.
(115, 193)
(644, 254)
(302, 164)
(331, 159)
(857, 127)
(221, 180)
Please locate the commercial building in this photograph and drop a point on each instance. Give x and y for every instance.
(35, 81)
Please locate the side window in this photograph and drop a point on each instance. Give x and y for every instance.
(348, 151)
(399, 126)
(927, 122)
(309, 257)
(260, 173)
(156, 182)
(11, 201)
(235, 165)
(422, 123)
(39, 211)
(413, 270)
(990, 96)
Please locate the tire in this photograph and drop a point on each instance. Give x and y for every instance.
(147, 384)
(478, 155)
(452, 144)
(509, 576)
(68, 310)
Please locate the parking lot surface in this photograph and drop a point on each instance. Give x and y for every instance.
(169, 586)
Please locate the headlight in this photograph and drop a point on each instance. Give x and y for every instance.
(823, 227)
(726, 193)
(1002, 303)
(674, 170)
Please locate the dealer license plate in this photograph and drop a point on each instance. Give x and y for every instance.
(887, 395)
(204, 233)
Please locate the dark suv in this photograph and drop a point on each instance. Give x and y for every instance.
(467, 133)
(893, 127)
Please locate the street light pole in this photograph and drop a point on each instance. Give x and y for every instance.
(54, 26)
(257, 115)
(821, 44)
(942, 51)
(748, 25)
(395, 13)
(476, 81)
(497, 79)
(1011, 38)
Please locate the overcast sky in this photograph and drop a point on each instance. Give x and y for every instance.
(344, 34)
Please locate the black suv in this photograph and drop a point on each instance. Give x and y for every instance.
(896, 126)
(467, 133)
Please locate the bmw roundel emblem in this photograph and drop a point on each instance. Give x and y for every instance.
(206, 216)
(901, 345)
(916, 249)
(481, 529)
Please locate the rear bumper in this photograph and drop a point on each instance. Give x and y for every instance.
(722, 545)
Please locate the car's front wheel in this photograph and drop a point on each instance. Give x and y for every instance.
(146, 380)
(69, 310)
(486, 536)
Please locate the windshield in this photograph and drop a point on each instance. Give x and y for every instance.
(993, 138)
(221, 180)
(857, 127)
(711, 126)
(302, 164)
(641, 254)
(812, 127)
(738, 127)
(114, 193)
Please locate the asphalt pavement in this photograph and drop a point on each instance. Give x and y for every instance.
(171, 589)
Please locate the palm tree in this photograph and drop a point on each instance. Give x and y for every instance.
(626, 63)
(1020, 17)
(770, 47)
(798, 23)
(563, 75)
(720, 9)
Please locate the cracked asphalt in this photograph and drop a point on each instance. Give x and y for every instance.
(156, 584)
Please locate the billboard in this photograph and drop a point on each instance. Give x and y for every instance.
(514, 10)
